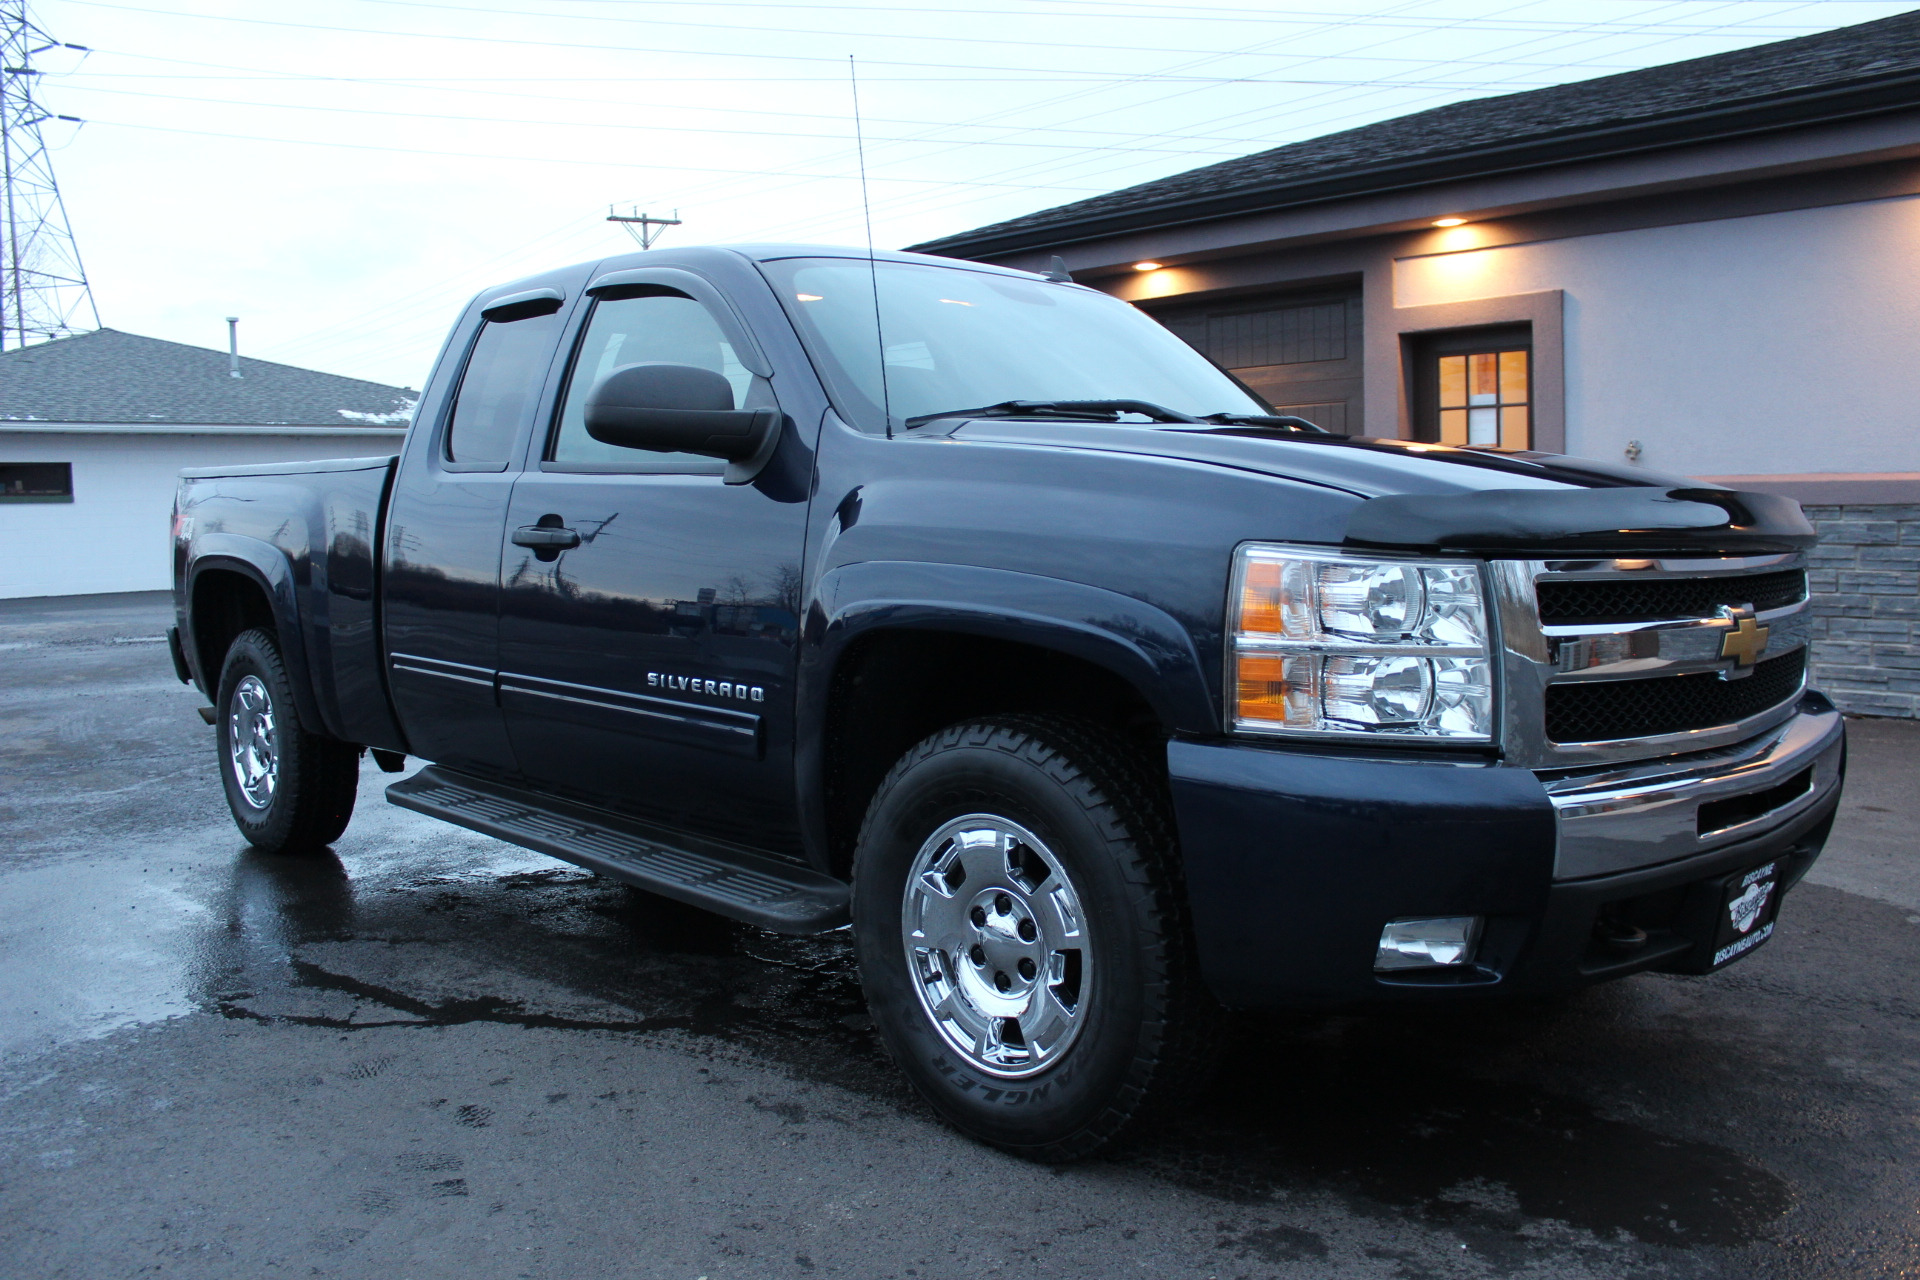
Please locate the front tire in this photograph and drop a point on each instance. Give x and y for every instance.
(1021, 938)
(289, 790)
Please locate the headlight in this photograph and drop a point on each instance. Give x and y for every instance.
(1325, 643)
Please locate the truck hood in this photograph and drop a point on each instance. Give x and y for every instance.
(1438, 497)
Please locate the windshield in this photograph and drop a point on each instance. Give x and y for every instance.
(959, 339)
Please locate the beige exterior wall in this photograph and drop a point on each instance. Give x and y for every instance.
(1779, 343)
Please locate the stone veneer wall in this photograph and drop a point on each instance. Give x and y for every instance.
(1865, 582)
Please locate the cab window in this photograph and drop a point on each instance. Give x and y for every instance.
(658, 326)
(499, 390)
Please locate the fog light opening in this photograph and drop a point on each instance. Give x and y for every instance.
(1437, 942)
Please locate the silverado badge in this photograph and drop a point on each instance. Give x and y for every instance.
(1745, 640)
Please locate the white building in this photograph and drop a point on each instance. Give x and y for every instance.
(95, 429)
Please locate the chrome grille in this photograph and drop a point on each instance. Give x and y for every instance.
(1624, 659)
(1634, 601)
(1603, 710)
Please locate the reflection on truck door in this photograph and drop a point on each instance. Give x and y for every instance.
(443, 549)
(650, 666)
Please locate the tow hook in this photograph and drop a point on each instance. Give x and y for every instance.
(1619, 935)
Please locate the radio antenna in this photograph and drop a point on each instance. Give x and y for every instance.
(873, 268)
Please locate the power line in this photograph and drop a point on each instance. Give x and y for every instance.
(999, 42)
(595, 164)
(359, 333)
(1045, 72)
(906, 202)
(658, 128)
(783, 113)
(1084, 88)
(796, 230)
(436, 85)
(1155, 13)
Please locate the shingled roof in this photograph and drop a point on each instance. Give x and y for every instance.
(1852, 71)
(110, 376)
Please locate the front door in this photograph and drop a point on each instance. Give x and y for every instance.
(444, 527)
(650, 667)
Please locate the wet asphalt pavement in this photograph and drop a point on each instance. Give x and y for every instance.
(434, 1055)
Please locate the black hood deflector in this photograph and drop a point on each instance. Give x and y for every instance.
(1581, 521)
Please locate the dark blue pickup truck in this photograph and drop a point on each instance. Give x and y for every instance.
(974, 610)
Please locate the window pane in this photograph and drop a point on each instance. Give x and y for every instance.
(36, 482)
(1453, 426)
(1483, 426)
(1516, 428)
(624, 331)
(1484, 373)
(499, 389)
(1453, 381)
(1513, 377)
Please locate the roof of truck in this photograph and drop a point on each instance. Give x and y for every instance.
(110, 376)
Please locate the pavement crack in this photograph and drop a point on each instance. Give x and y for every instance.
(426, 1013)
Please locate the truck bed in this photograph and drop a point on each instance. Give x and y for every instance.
(308, 534)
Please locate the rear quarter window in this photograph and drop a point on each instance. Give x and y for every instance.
(499, 389)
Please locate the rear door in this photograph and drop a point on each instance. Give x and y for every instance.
(650, 667)
(441, 596)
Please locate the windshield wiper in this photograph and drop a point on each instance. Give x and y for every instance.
(1284, 421)
(1085, 410)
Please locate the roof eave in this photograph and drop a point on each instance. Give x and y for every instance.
(1776, 113)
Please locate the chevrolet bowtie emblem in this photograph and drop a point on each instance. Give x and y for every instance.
(1745, 639)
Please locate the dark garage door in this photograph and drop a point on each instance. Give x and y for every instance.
(1300, 351)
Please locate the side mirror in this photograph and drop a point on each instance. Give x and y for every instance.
(681, 408)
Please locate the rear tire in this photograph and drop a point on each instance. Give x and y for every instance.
(1022, 941)
(290, 791)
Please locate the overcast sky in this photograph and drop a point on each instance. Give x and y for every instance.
(343, 175)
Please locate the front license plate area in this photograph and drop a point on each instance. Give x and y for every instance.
(1749, 901)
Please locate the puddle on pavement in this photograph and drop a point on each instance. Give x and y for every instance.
(305, 943)
(94, 949)
(1366, 1108)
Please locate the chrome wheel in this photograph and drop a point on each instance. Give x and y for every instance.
(253, 742)
(996, 944)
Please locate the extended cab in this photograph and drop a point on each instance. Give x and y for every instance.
(973, 609)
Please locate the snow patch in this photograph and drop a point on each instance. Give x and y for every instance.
(398, 418)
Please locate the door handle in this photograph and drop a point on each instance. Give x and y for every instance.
(543, 537)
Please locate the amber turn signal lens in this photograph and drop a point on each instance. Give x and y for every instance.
(1261, 596)
(1263, 687)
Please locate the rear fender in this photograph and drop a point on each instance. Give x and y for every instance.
(268, 568)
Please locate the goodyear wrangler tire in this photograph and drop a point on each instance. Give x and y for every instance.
(1021, 938)
(290, 791)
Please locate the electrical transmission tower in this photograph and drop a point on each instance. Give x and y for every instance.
(43, 287)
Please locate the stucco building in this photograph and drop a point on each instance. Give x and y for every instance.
(94, 430)
(1710, 268)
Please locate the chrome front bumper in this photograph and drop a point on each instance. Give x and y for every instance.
(1646, 814)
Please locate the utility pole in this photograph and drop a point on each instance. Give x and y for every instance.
(43, 287)
(644, 227)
